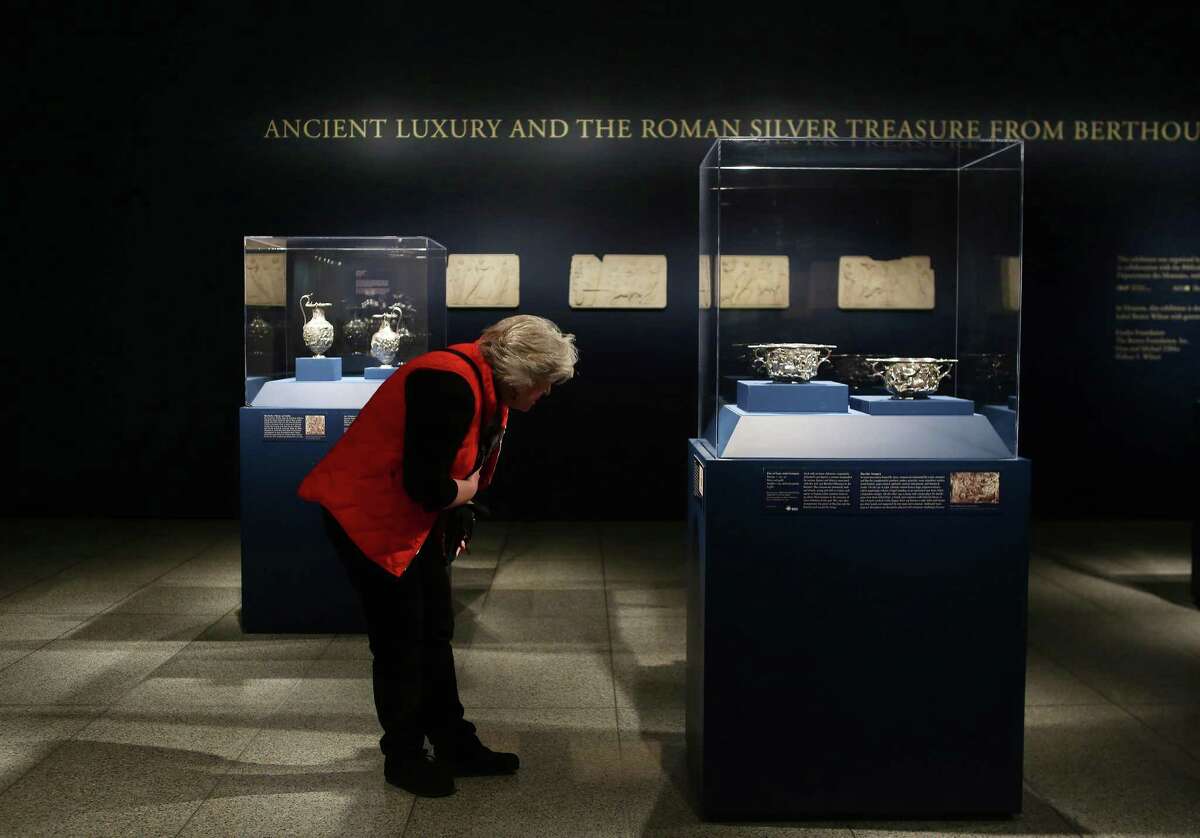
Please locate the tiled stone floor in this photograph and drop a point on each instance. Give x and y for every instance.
(131, 703)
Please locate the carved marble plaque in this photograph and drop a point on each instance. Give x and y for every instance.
(483, 280)
(866, 283)
(754, 282)
(1010, 283)
(618, 281)
(266, 279)
(747, 282)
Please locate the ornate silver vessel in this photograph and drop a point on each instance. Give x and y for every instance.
(793, 362)
(356, 333)
(317, 332)
(912, 378)
(385, 343)
(259, 335)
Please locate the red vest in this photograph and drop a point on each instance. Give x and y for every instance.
(359, 481)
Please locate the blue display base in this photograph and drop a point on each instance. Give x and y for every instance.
(932, 406)
(779, 397)
(1004, 420)
(1012, 402)
(318, 369)
(292, 580)
(378, 373)
(861, 640)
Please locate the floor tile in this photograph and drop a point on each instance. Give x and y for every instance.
(35, 627)
(335, 685)
(563, 679)
(348, 647)
(181, 599)
(552, 543)
(1126, 661)
(29, 734)
(586, 602)
(228, 629)
(521, 806)
(650, 679)
(1110, 591)
(1047, 683)
(1178, 724)
(549, 574)
(121, 627)
(12, 651)
(324, 740)
(216, 731)
(189, 683)
(307, 804)
(651, 633)
(61, 673)
(502, 630)
(651, 600)
(1106, 772)
(100, 788)
(568, 784)
(1037, 818)
(218, 566)
(83, 598)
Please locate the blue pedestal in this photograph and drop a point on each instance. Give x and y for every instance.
(292, 580)
(846, 658)
(1012, 402)
(378, 373)
(932, 406)
(779, 397)
(318, 369)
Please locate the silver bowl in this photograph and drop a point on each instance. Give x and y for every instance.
(912, 378)
(791, 362)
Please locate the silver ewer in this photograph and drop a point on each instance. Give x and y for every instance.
(912, 378)
(792, 362)
(385, 343)
(317, 331)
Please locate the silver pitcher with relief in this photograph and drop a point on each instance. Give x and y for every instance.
(317, 331)
(912, 378)
(385, 343)
(791, 362)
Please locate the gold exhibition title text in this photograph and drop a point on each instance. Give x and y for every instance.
(618, 128)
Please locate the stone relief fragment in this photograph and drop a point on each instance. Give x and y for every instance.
(747, 282)
(1010, 283)
(483, 280)
(866, 283)
(618, 281)
(754, 282)
(266, 279)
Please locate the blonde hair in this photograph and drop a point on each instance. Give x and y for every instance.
(525, 350)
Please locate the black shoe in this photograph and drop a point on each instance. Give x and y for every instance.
(419, 775)
(473, 759)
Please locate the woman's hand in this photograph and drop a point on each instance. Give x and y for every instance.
(466, 489)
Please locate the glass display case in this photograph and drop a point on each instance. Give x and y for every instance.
(862, 279)
(329, 309)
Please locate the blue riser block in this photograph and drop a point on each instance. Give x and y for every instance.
(1004, 420)
(318, 369)
(932, 406)
(780, 397)
(378, 373)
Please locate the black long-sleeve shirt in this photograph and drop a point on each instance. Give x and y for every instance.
(438, 410)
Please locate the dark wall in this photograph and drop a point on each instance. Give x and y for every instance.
(140, 164)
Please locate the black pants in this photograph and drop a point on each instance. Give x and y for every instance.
(410, 622)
